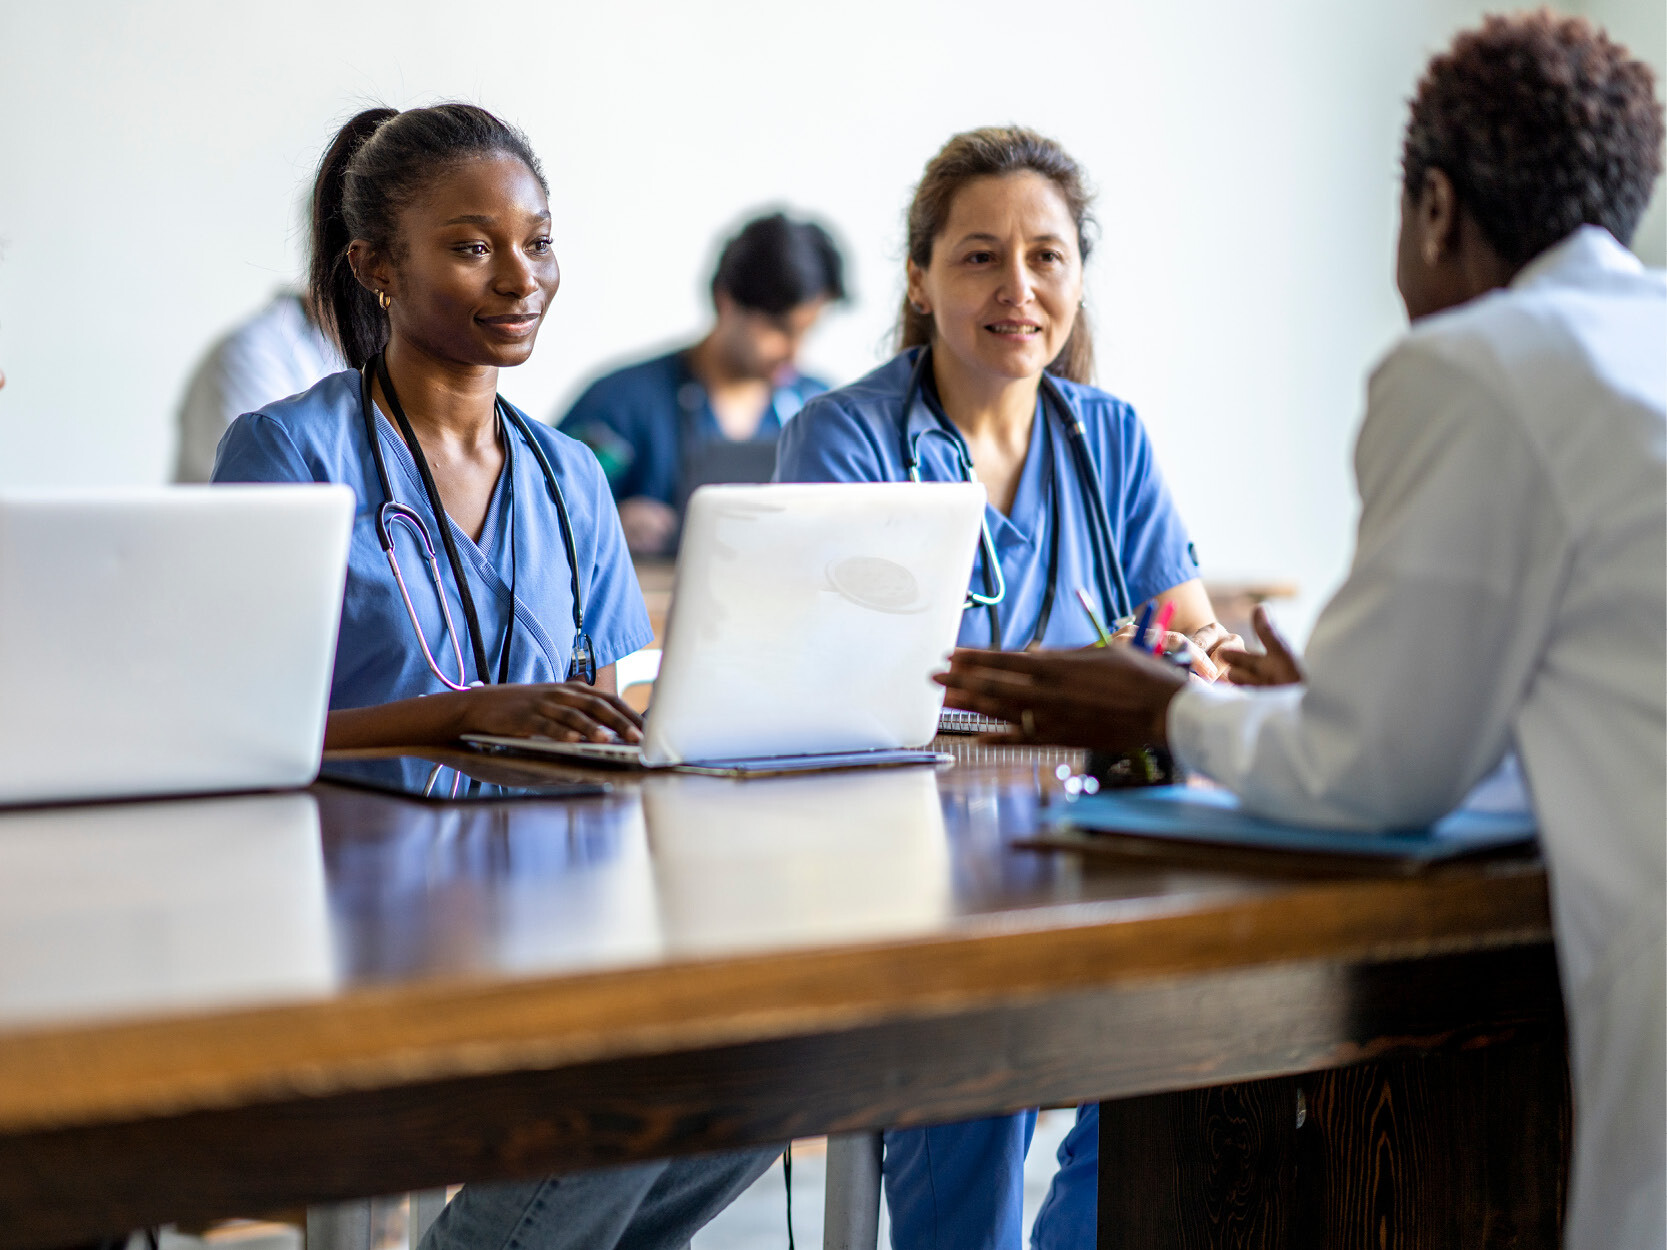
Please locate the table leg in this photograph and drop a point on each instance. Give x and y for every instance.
(426, 1206)
(851, 1210)
(339, 1225)
(1463, 1148)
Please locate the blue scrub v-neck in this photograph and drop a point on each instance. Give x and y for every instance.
(319, 436)
(857, 433)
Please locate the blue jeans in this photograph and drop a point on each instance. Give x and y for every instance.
(645, 1206)
(961, 1186)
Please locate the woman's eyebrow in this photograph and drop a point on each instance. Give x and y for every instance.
(486, 219)
(983, 237)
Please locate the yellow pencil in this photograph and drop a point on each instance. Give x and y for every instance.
(1094, 617)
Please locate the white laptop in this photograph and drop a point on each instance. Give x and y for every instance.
(806, 622)
(167, 640)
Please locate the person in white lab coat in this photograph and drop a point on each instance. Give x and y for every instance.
(278, 352)
(1509, 583)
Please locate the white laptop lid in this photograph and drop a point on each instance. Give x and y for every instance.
(809, 618)
(167, 640)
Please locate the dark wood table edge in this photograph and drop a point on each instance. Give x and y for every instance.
(383, 1036)
(1123, 1041)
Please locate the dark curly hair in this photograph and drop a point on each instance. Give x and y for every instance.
(1544, 124)
(776, 264)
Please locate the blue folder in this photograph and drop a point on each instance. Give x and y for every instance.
(1196, 814)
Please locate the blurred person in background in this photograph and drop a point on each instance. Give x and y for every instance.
(712, 412)
(278, 352)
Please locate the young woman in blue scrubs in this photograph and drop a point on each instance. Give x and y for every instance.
(997, 236)
(441, 281)
(433, 267)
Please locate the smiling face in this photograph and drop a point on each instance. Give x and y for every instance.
(1005, 278)
(473, 271)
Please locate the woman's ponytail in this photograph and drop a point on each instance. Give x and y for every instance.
(345, 310)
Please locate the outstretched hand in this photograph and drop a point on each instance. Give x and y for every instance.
(1109, 699)
(1278, 667)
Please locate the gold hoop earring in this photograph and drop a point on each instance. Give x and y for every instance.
(384, 299)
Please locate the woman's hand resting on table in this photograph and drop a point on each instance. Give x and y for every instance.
(1203, 648)
(1277, 667)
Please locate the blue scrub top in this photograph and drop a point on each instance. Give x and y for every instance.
(855, 434)
(319, 436)
(635, 420)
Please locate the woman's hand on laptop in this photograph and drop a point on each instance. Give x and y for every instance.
(567, 712)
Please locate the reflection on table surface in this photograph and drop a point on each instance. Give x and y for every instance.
(836, 857)
(158, 906)
(152, 907)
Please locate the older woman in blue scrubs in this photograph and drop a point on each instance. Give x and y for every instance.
(998, 233)
(433, 267)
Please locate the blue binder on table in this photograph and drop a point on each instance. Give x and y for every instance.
(1211, 817)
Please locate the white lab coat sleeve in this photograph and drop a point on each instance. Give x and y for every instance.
(1418, 664)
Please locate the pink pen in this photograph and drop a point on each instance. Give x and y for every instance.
(1160, 627)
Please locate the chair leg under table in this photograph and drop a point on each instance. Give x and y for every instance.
(851, 1213)
(339, 1225)
(426, 1206)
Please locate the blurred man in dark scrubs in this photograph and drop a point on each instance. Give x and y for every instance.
(712, 412)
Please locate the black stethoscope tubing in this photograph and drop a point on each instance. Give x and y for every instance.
(582, 663)
(1108, 567)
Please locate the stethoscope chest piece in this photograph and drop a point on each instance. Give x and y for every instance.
(393, 515)
(1108, 567)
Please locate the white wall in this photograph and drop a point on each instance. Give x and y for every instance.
(153, 159)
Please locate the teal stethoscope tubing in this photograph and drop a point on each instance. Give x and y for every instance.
(1108, 568)
(393, 513)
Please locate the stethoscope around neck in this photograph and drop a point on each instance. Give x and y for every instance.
(1108, 568)
(392, 515)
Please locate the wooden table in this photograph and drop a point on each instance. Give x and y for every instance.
(224, 1006)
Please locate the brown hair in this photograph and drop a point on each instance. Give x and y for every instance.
(1544, 124)
(993, 152)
